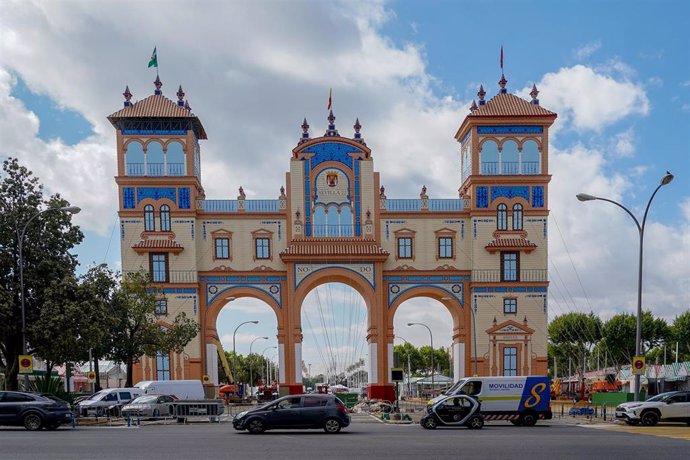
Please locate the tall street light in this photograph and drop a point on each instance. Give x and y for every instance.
(433, 386)
(268, 377)
(251, 375)
(20, 238)
(668, 177)
(474, 335)
(409, 370)
(234, 352)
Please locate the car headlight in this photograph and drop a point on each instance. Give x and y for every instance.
(634, 406)
(241, 414)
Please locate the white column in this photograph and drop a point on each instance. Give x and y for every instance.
(390, 360)
(373, 364)
(212, 362)
(281, 363)
(458, 361)
(298, 363)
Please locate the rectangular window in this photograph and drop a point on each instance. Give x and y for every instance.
(510, 266)
(222, 248)
(161, 307)
(263, 249)
(509, 306)
(445, 247)
(158, 265)
(163, 366)
(510, 361)
(404, 248)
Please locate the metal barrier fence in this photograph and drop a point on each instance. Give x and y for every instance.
(212, 409)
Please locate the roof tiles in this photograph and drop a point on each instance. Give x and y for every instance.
(154, 106)
(510, 105)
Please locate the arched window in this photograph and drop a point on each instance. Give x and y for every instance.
(134, 159)
(175, 159)
(510, 158)
(149, 219)
(502, 217)
(530, 158)
(488, 158)
(517, 216)
(154, 159)
(165, 218)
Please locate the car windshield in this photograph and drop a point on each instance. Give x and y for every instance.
(661, 397)
(455, 387)
(145, 399)
(96, 396)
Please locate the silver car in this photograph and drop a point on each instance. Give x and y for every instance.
(150, 406)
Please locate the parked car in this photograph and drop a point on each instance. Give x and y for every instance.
(33, 411)
(296, 411)
(673, 406)
(455, 410)
(150, 406)
(99, 403)
(181, 389)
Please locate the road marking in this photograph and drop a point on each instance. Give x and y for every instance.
(663, 431)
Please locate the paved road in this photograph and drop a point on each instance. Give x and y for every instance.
(359, 441)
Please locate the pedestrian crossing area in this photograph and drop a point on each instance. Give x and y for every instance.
(674, 431)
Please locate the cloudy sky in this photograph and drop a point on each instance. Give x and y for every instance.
(616, 72)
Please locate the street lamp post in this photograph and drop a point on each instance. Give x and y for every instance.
(668, 177)
(474, 335)
(251, 375)
(409, 370)
(431, 336)
(20, 241)
(234, 352)
(268, 377)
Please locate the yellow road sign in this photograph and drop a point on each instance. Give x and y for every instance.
(91, 377)
(26, 364)
(638, 365)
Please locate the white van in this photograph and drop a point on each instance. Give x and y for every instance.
(521, 400)
(98, 403)
(181, 389)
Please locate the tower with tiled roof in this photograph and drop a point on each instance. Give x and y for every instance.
(505, 178)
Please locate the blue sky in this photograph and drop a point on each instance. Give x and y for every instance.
(618, 74)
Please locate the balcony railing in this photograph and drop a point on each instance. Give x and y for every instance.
(446, 204)
(494, 276)
(155, 169)
(175, 169)
(404, 205)
(491, 168)
(234, 205)
(510, 167)
(219, 205)
(327, 230)
(261, 205)
(174, 276)
(530, 167)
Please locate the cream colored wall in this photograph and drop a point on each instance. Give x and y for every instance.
(425, 242)
(295, 194)
(369, 194)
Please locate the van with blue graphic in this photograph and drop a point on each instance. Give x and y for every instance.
(520, 400)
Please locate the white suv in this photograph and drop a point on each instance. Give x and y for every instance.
(673, 406)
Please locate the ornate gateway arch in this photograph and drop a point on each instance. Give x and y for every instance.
(482, 254)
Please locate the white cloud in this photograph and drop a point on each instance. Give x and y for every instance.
(587, 50)
(587, 100)
(624, 143)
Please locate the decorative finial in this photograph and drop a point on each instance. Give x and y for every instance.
(358, 136)
(495, 321)
(368, 214)
(158, 84)
(481, 93)
(282, 191)
(180, 97)
(423, 195)
(525, 320)
(473, 107)
(187, 106)
(502, 83)
(331, 131)
(382, 192)
(534, 94)
(305, 132)
(128, 95)
(241, 196)
(298, 214)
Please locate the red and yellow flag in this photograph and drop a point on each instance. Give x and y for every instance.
(330, 100)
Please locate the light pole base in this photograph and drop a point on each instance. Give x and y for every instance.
(384, 392)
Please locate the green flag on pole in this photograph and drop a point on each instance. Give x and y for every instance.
(154, 59)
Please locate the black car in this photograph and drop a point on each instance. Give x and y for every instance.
(453, 410)
(33, 411)
(296, 411)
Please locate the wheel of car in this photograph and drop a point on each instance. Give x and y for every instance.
(256, 426)
(331, 426)
(33, 422)
(430, 423)
(476, 422)
(650, 418)
(529, 419)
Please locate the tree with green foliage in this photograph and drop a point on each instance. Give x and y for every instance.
(619, 334)
(572, 336)
(680, 332)
(136, 331)
(48, 239)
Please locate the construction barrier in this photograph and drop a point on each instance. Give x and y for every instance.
(210, 408)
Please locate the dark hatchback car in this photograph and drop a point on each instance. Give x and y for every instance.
(33, 411)
(295, 411)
